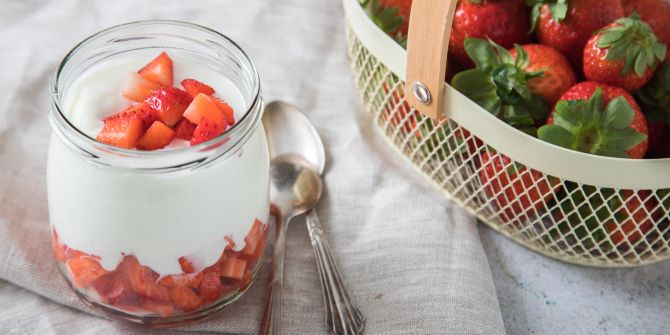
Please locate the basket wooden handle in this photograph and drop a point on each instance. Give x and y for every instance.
(427, 45)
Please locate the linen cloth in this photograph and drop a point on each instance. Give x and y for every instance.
(412, 260)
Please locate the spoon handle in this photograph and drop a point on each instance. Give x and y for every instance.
(271, 323)
(342, 317)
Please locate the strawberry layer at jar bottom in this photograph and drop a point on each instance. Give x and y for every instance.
(136, 290)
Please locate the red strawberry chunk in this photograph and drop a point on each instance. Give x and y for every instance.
(184, 129)
(143, 280)
(58, 248)
(114, 287)
(169, 103)
(186, 265)
(227, 110)
(206, 131)
(84, 271)
(233, 268)
(159, 70)
(122, 130)
(204, 107)
(142, 111)
(210, 288)
(194, 87)
(184, 298)
(192, 280)
(253, 238)
(139, 88)
(156, 137)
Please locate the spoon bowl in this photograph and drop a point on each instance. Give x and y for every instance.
(295, 185)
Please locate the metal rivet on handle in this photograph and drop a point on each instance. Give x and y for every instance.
(421, 93)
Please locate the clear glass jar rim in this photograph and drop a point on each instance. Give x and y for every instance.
(251, 115)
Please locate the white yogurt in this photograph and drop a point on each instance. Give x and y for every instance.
(157, 218)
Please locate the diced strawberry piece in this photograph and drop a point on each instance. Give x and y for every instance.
(186, 265)
(142, 279)
(138, 88)
(194, 87)
(169, 103)
(188, 279)
(156, 137)
(227, 110)
(143, 111)
(184, 129)
(159, 70)
(233, 268)
(114, 287)
(84, 271)
(161, 308)
(184, 298)
(253, 238)
(204, 107)
(58, 248)
(121, 131)
(206, 131)
(73, 253)
(210, 287)
(231, 243)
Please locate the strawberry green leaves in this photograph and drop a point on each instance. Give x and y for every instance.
(590, 126)
(632, 40)
(558, 9)
(499, 84)
(655, 96)
(387, 19)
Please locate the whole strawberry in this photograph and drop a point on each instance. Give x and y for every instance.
(655, 12)
(500, 84)
(503, 21)
(598, 119)
(404, 7)
(568, 24)
(655, 101)
(519, 192)
(557, 76)
(625, 54)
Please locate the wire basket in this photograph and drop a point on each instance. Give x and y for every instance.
(575, 207)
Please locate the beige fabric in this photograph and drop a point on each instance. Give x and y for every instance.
(413, 261)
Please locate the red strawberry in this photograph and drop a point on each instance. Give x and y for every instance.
(625, 54)
(169, 104)
(226, 109)
(184, 298)
(632, 219)
(655, 12)
(156, 137)
(144, 112)
(505, 22)
(567, 29)
(114, 287)
(233, 268)
(210, 287)
(518, 191)
(557, 76)
(204, 107)
(206, 131)
(143, 280)
(186, 265)
(159, 70)
(194, 87)
(500, 84)
(84, 271)
(404, 8)
(598, 119)
(184, 129)
(191, 280)
(121, 130)
(139, 88)
(58, 248)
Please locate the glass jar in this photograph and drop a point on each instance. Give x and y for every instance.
(159, 237)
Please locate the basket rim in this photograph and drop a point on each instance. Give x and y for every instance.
(620, 173)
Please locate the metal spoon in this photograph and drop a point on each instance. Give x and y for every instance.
(295, 187)
(289, 131)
